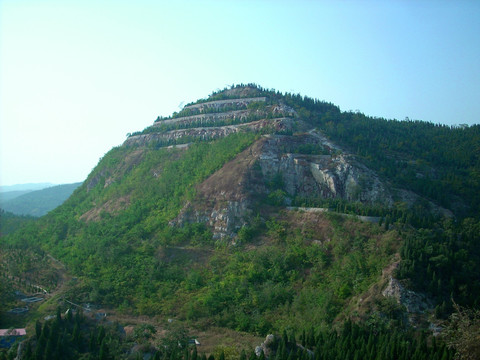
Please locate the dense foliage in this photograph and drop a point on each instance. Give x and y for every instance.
(10, 222)
(112, 251)
(71, 336)
(355, 341)
(444, 263)
(75, 336)
(286, 270)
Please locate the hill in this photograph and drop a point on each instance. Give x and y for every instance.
(24, 187)
(9, 222)
(12, 191)
(259, 212)
(39, 202)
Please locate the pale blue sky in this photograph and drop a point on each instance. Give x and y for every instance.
(76, 76)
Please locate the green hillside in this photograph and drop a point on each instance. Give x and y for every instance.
(211, 218)
(9, 195)
(38, 203)
(9, 222)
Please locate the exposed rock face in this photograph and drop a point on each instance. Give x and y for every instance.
(206, 133)
(175, 135)
(307, 165)
(267, 348)
(325, 176)
(245, 115)
(205, 118)
(220, 104)
(224, 201)
(95, 180)
(415, 303)
(225, 218)
(110, 207)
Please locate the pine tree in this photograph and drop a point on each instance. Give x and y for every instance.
(69, 316)
(76, 335)
(285, 337)
(445, 355)
(311, 337)
(59, 315)
(49, 349)
(92, 344)
(38, 329)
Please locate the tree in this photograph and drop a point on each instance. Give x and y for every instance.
(38, 329)
(103, 351)
(463, 333)
(59, 315)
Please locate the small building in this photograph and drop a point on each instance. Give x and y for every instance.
(9, 336)
(193, 342)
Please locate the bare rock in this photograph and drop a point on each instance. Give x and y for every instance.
(414, 302)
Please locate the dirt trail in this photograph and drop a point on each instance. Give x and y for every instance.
(63, 276)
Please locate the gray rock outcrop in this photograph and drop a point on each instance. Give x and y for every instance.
(220, 104)
(414, 302)
(206, 133)
(333, 175)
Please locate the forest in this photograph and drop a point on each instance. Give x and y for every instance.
(313, 278)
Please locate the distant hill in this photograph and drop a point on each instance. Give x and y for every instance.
(39, 202)
(10, 192)
(25, 187)
(9, 195)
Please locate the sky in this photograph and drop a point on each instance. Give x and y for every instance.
(77, 76)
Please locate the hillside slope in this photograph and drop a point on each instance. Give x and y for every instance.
(261, 211)
(39, 202)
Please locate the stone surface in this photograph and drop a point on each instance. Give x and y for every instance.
(414, 302)
(325, 176)
(206, 133)
(219, 104)
(225, 200)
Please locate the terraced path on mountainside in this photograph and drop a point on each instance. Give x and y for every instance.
(206, 133)
(227, 102)
(204, 118)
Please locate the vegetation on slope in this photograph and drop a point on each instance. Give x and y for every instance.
(38, 203)
(78, 337)
(9, 222)
(439, 162)
(112, 250)
(294, 272)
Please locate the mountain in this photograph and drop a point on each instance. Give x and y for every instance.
(25, 187)
(262, 212)
(9, 195)
(38, 202)
(12, 191)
